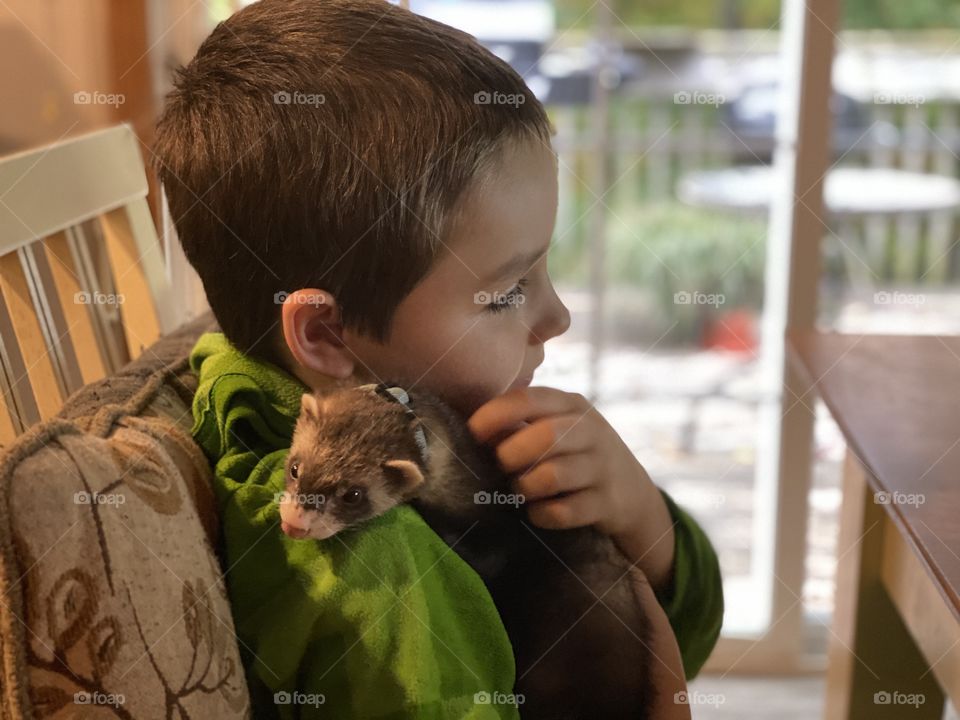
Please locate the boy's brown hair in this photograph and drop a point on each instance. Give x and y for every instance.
(325, 143)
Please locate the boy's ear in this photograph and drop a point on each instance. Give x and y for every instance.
(310, 319)
(310, 406)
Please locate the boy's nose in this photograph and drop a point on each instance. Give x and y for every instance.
(555, 320)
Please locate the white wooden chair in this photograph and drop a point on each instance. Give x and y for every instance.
(82, 278)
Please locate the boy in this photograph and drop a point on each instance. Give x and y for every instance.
(367, 195)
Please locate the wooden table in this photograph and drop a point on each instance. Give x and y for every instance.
(895, 643)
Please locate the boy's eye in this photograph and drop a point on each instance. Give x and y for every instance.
(294, 469)
(510, 299)
(352, 496)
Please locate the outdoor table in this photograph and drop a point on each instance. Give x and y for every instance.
(847, 191)
(850, 194)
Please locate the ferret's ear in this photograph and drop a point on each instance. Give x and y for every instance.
(309, 405)
(408, 472)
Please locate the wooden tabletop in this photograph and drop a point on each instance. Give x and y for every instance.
(897, 402)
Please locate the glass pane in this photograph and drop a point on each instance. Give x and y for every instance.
(683, 279)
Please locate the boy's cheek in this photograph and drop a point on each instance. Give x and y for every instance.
(465, 378)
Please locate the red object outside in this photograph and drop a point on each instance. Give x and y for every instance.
(734, 330)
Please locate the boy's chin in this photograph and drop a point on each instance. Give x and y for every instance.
(521, 382)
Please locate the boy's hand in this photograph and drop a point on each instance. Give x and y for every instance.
(574, 469)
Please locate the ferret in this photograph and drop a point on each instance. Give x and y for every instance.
(580, 640)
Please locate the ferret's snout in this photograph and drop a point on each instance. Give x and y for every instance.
(294, 521)
(295, 532)
(298, 523)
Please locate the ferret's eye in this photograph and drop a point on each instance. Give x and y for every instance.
(352, 496)
(294, 470)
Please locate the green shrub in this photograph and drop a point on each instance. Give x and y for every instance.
(669, 248)
(656, 250)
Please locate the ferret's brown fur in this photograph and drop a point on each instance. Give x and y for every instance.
(580, 640)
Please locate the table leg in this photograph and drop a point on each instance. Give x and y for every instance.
(875, 670)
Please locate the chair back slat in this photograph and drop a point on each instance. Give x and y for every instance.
(128, 260)
(50, 306)
(78, 310)
(87, 243)
(8, 431)
(19, 406)
(37, 371)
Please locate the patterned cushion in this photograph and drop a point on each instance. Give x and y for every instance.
(112, 590)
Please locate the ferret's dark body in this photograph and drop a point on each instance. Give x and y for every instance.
(580, 640)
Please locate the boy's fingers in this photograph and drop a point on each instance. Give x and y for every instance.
(546, 438)
(523, 404)
(553, 477)
(580, 508)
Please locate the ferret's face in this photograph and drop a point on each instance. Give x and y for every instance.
(352, 458)
(327, 508)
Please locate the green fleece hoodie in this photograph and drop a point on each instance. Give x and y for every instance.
(384, 621)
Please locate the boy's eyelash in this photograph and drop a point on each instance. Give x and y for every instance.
(508, 299)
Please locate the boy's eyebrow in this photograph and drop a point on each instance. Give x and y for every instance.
(518, 264)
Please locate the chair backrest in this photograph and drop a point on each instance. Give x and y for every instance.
(82, 278)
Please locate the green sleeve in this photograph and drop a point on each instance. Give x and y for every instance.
(693, 600)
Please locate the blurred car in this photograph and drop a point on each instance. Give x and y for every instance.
(751, 116)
